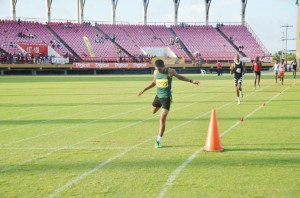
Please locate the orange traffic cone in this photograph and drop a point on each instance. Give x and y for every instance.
(213, 142)
(242, 119)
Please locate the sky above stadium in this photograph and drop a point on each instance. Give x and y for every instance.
(265, 17)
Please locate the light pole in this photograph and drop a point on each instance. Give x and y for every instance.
(286, 39)
(282, 46)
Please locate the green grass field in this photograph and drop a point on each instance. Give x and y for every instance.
(91, 136)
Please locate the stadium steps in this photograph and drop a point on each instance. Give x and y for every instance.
(182, 45)
(157, 36)
(114, 42)
(231, 43)
(3, 51)
(63, 42)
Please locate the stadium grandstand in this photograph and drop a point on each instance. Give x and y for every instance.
(81, 42)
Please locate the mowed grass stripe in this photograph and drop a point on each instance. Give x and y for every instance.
(92, 120)
(109, 132)
(62, 106)
(71, 104)
(92, 179)
(95, 100)
(264, 173)
(77, 179)
(178, 170)
(82, 176)
(40, 97)
(150, 165)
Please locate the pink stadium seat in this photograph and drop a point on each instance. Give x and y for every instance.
(206, 40)
(132, 37)
(9, 31)
(73, 35)
(242, 37)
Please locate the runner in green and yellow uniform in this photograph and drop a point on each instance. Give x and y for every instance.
(163, 80)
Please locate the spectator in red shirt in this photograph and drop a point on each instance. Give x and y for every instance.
(219, 68)
(257, 72)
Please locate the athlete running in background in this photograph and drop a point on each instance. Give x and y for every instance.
(238, 69)
(257, 72)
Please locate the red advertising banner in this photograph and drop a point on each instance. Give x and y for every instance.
(35, 48)
(110, 65)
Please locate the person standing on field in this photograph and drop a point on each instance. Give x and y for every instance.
(219, 68)
(294, 65)
(163, 81)
(282, 67)
(276, 68)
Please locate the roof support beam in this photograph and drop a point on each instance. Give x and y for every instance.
(48, 10)
(145, 4)
(13, 9)
(80, 10)
(207, 6)
(244, 5)
(176, 6)
(114, 4)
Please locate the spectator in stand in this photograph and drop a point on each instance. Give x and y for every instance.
(22, 58)
(113, 38)
(96, 39)
(14, 59)
(171, 41)
(294, 65)
(27, 58)
(257, 72)
(32, 59)
(101, 59)
(101, 39)
(219, 68)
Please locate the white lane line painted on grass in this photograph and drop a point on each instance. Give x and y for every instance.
(66, 147)
(99, 148)
(84, 175)
(86, 148)
(55, 110)
(51, 99)
(113, 131)
(45, 121)
(174, 175)
(265, 152)
(80, 177)
(74, 126)
(48, 120)
(87, 123)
